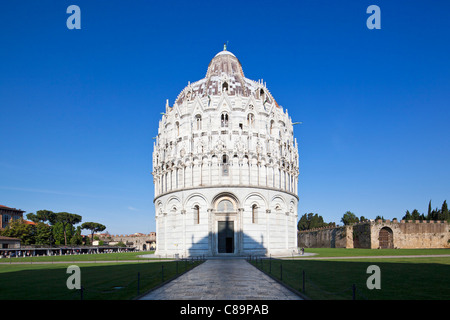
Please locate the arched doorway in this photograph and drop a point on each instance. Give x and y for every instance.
(225, 236)
(386, 238)
(225, 228)
(226, 224)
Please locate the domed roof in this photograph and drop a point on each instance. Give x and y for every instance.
(225, 52)
(224, 63)
(224, 74)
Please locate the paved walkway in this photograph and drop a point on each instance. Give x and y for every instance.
(223, 279)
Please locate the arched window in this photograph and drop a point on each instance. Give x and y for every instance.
(250, 120)
(196, 214)
(271, 126)
(225, 165)
(224, 87)
(198, 122)
(254, 213)
(177, 126)
(225, 206)
(224, 120)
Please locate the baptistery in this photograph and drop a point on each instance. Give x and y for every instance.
(225, 168)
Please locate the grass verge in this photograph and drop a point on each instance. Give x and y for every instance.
(401, 278)
(101, 281)
(343, 252)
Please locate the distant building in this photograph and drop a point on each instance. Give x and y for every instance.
(7, 213)
(9, 243)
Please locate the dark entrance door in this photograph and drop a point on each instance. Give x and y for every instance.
(225, 236)
(386, 238)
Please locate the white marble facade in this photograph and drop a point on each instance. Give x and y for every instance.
(225, 168)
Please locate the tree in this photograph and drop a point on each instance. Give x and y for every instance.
(32, 217)
(444, 214)
(67, 219)
(121, 244)
(415, 215)
(429, 209)
(310, 221)
(407, 216)
(19, 229)
(94, 227)
(349, 218)
(42, 216)
(77, 238)
(44, 234)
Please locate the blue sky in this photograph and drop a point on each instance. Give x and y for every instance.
(79, 108)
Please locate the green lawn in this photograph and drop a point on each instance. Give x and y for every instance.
(115, 256)
(422, 278)
(101, 281)
(425, 278)
(342, 252)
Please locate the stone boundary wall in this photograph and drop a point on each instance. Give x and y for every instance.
(411, 234)
(327, 237)
(404, 235)
(140, 241)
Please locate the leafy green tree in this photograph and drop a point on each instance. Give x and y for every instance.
(415, 215)
(87, 241)
(310, 221)
(32, 217)
(44, 234)
(42, 216)
(67, 220)
(349, 218)
(93, 227)
(58, 233)
(407, 216)
(121, 244)
(429, 210)
(444, 213)
(77, 238)
(21, 230)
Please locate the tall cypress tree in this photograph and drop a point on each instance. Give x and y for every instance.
(444, 214)
(407, 216)
(429, 217)
(415, 215)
